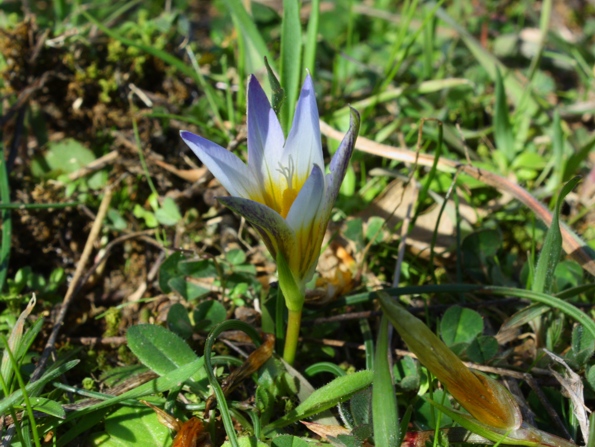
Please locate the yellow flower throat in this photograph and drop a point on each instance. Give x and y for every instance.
(280, 197)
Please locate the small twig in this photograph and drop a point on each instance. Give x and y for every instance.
(546, 404)
(435, 308)
(74, 284)
(106, 251)
(94, 166)
(92, 341)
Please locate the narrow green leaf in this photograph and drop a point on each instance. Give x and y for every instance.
(552, 246)
(35, 388)
(558, 149)
(524, 435)
(48, 406)
(158, 385)
(556, 303)
(5, 216)
(254, 45)
(503, 134)
(312, 37)
(524, 316)
(324, 398)
(291, 48)
(384, 399)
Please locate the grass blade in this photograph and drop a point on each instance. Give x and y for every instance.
(552, 246)
(5, 215)
(255, 49)
(291, 49)
(502, 127)
(384, 400)
(312, 37)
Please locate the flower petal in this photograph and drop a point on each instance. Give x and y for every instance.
(273, 229)
(231, 172)
(308, 221)
(305, 208)
(265, 136)
(340, 161)
(303, 143)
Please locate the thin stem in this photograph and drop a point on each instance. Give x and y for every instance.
(292, 335)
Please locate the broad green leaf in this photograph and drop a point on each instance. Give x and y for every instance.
(205, 268)
(160, 349)
(169, 270)
(236, 256)
(168, 213)
(63, 157)
(482, 349)
(326, 397)
(208, 314)
(384, 400)
(188, 289)
(552, 246)
(178, 321)
(460, 325)
(132, 426)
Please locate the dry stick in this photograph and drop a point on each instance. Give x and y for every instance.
(70, 293)
(572, 244)
(553, 414)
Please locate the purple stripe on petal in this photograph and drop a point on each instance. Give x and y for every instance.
(340, 161)
(265, 136)
(277, 235)
(231, 172)
(303, 143)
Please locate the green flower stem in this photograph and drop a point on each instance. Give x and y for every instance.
(292, 335)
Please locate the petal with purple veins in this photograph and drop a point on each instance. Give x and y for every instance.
(231, 172)
(340, 161)
(265, 136)
(276, 233)
(303, 143)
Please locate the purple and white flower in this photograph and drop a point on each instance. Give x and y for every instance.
(283, 190)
